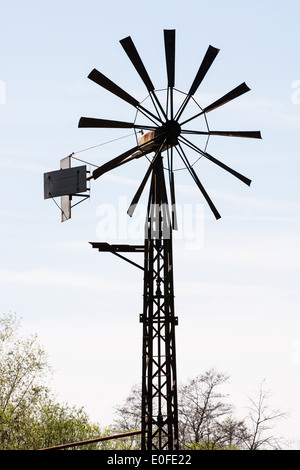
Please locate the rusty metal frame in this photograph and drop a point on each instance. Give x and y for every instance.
(159, 382)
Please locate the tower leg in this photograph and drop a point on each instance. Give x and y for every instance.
(159, 381)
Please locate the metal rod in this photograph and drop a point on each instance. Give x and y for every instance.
(91, 441)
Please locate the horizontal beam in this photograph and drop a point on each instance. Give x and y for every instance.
(117, 249)
(104, 246)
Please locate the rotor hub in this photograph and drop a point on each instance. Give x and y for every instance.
(171, 131)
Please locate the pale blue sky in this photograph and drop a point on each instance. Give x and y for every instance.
(237, 297)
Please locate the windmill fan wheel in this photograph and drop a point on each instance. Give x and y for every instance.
(166, 131)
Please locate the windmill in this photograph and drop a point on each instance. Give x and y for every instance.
(167, 135)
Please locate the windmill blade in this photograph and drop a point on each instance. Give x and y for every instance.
(138, 194)
(110, 124)
(110, 86)
(123, 158)
(206, 196)
(172, 188)
(138, 64)
(173, 201)
(169, 37)
(247, 134)
(206, 63)
(134, 56)
(235, 93)
(208, 59)
(113, 163)
(106, 83)
(197, 181)
(241, 177)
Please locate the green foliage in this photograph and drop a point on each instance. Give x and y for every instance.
(45, 425)
(209, 446)
(30, 417)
